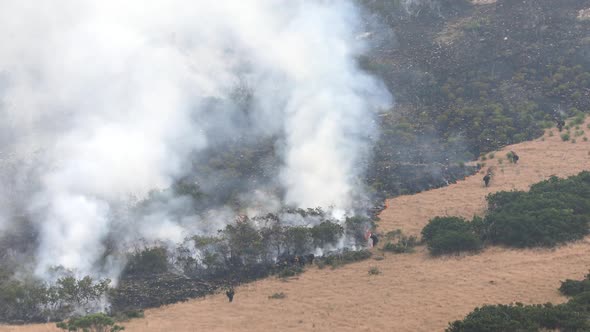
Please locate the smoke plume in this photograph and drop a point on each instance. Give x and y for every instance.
(103, 102)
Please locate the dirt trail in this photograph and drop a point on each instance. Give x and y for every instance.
(414, 292)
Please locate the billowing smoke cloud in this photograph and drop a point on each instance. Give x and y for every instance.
(110, 100)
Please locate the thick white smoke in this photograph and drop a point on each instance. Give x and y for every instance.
(116, 97)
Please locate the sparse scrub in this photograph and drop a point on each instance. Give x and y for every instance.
(290, 271)
(373, 271)
(343, 258)
(511, 157)
(399, 243)
(565, 136)
(128, 315)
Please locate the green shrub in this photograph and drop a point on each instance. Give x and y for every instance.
(544, 227)
(374, 271)
(454, 242)
(446, 235)
(510, 157)
(278, 296)
(496, 318)
(91, 323)
(574, 287)
(552, 212)
(439, 225)
(565, 137)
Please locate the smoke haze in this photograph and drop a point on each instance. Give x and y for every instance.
(103, 102)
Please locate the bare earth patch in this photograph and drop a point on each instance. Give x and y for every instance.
(414, 292)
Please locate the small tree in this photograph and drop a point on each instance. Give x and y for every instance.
(148, 261)
(245, 242)
(298, 240)
(356, 227)
(326, 233)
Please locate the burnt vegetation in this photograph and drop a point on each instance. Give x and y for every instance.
(469, 79)
(243, 251)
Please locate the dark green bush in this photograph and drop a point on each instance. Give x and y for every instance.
(552, 212)
(545, 227)
(518, 317)
(496, 318)
(571, 316)
(571, 287)
(446, 235)
(454, 242)
(439, 225)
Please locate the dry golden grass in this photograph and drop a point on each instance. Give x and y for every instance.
(414, 292)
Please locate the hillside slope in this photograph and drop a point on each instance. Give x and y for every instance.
(414, 292)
